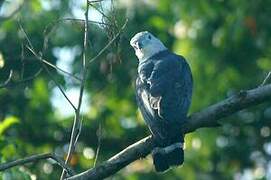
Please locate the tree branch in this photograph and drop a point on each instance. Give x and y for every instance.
(35, 158)
(7, 80)
(52, 65)
(108, 44)
(208, 117)
(31, 48)
(85, 67)
(266, 78)
(8, 84)
(76, 128)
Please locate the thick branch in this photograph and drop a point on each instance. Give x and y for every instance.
(206, 118)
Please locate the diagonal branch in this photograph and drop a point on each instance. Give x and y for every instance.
(52, 65)
(266, 78)
(35, 158)
(54, 80)
(45, 67)
(108, 45)
(8, 84)
(208, 117)
(7, 80)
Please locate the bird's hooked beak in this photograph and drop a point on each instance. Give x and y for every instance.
(137, 45)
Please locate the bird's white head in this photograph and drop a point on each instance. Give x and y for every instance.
(146, 45)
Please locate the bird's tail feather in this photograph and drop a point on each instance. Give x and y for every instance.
(165, 157)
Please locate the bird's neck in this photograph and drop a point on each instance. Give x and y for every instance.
(144, 56)
(157, 55)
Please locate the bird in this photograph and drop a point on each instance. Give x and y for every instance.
(164, 86)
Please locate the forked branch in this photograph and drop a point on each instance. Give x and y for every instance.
(35, 158)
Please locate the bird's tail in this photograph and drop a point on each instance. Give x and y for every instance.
(165, 157)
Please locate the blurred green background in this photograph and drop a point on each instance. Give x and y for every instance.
(226, 42)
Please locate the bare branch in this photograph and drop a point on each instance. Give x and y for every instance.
(55, 81)
(35, 158)
(8, 80)
(30, 77)
(266, 78)
(52, 65)
(76, 129)
(100, 11)
(206, 118)
(22, 60)
(53, 25)
(63, 164)
(31, 48)
(82, 20)
(99, 135)
(95, 1)
(9, 85)
(108, 44)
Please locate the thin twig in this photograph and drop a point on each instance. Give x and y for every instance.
(52, 65)
(54, 24)
(10, 85)
(101, 12)
(62, 164)
(30, 77)
(266, 78)
(45, 67)
(76, 124)
(99, 134)
(82, 20)
(109, 44)
(76, 129)
(95, 1)
(35, 158)
(55, 81)
(31, 48)
(85, 70)
(79, 130)
(7, 80)
(22, 60)
(7, 83)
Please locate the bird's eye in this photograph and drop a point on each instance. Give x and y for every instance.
(149, 36)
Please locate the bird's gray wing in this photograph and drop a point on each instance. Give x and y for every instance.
(171, 80)
(148, 112)
(164, 98)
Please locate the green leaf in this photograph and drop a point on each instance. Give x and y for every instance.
(8, 122)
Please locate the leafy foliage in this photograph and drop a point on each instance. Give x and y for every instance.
(227, 44)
